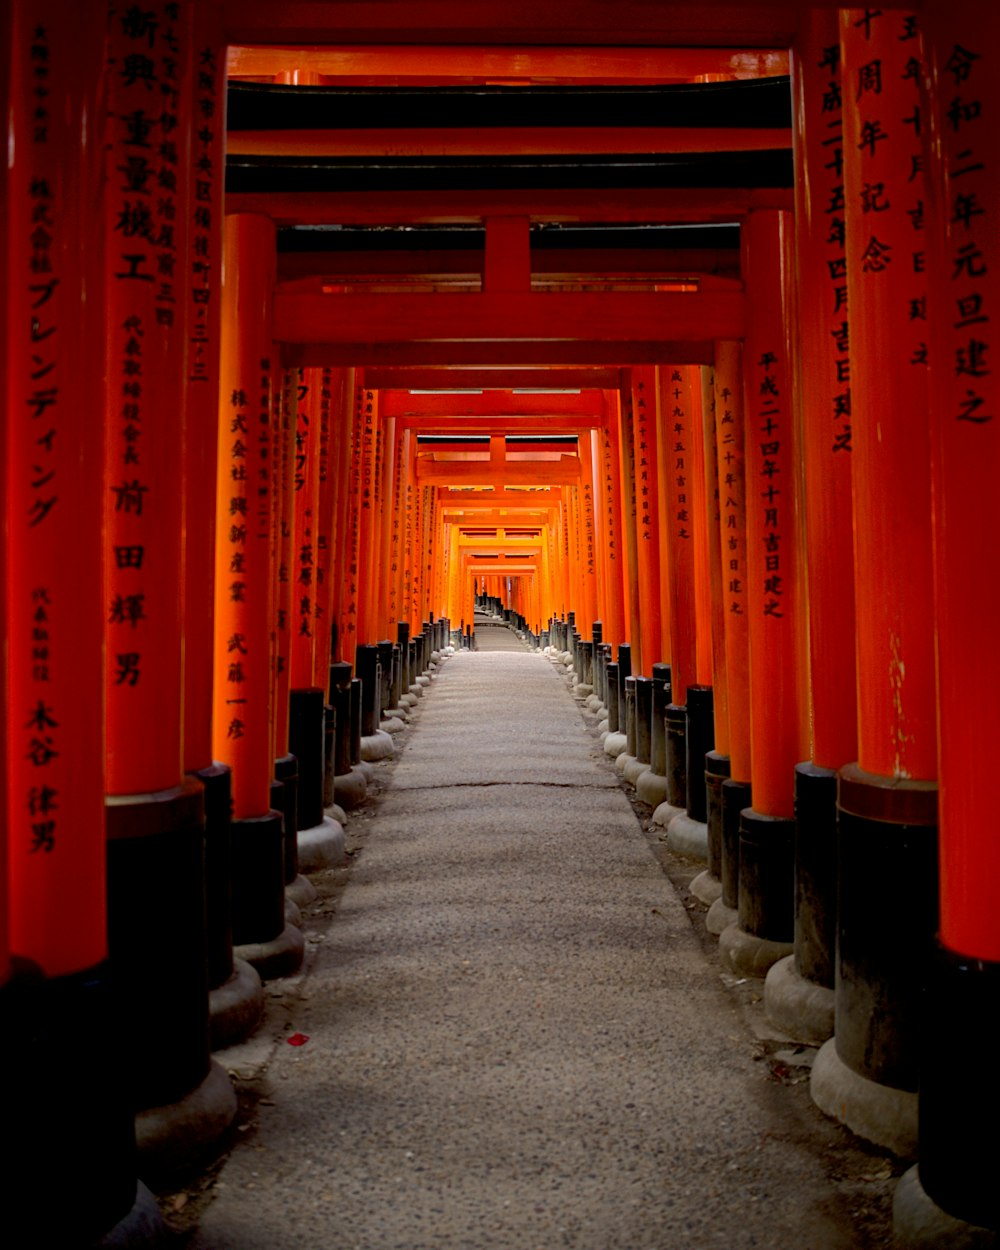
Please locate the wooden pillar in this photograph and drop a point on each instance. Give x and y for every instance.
(677, 432)
(629, 518)
(155, 815)
(774, 604)
(955, 1165)
(243, 728)
(307, 699)
(644, 409)
(202, 281)
(588, 538)
(887, 800)
(736, 791)
(52, 876)
(367, 576)
(613, 611)
(794, 1000)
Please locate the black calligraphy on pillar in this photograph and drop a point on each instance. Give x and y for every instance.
(41, 729)
(235, 537)
(771, 484)
(826, 109)
(680, 428)
(972, 222)
(203, 235)
(731, 483)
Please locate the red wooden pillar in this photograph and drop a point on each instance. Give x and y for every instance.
(348, 634)
(678, 428)
(736, 791)
(202, 272)
(963, 275)
(155, 820)
(307, 699)
(887, 800)
(244, 585)
(342, 395)
(629, 518)
(644, 407)
(612, 612)
(367, 520)
(712, 737)
(285, 387)
(774, 603)
(588, 554)
(794, 1000)
(52, 852)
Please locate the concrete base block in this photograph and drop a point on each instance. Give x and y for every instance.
(392, 725)
(919, 1223)
(593, 704)
(633, 770)
(366, 769)
(321, 847)
(798, 1007)
(301, 891)
(408, 701)
(652, 788)
(623, 760)
(878, 1113)
(236, 1007)
(278, 958)
(706, 888)
(422, 682)
(177, 1137)
(583, 691)
(377, 746)
(350, 789)
(688, 837)
(720, 917)
(337, 813)
(614, 744)
(665, 813)
(602, 727)
(748, 955)
(142, 1229)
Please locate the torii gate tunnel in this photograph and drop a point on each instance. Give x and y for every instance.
(661, 330)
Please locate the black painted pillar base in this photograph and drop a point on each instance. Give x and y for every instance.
(158, 959)
(676, 748)
(707, 886)
(216, 781)
(700, 740)
(307, 741)
(285, 799)
(611, 695)
(70, 1166)
(329, 752)
(918, 1223)
(887, 915)
(235, 997)
(366, 666)
(765, 908)
(736, 796)
(959, 1103)
(798, 993)
(156, 935)
(258, 878)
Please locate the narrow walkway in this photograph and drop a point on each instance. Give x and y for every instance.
(515, 1041)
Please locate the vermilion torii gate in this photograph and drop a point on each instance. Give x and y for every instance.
(765, 331)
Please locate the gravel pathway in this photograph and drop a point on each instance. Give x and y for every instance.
(515, 1039)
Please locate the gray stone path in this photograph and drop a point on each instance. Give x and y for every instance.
(515, 1039)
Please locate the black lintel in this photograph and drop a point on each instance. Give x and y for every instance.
(294, 239)
(772, 168)
(742, 104)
